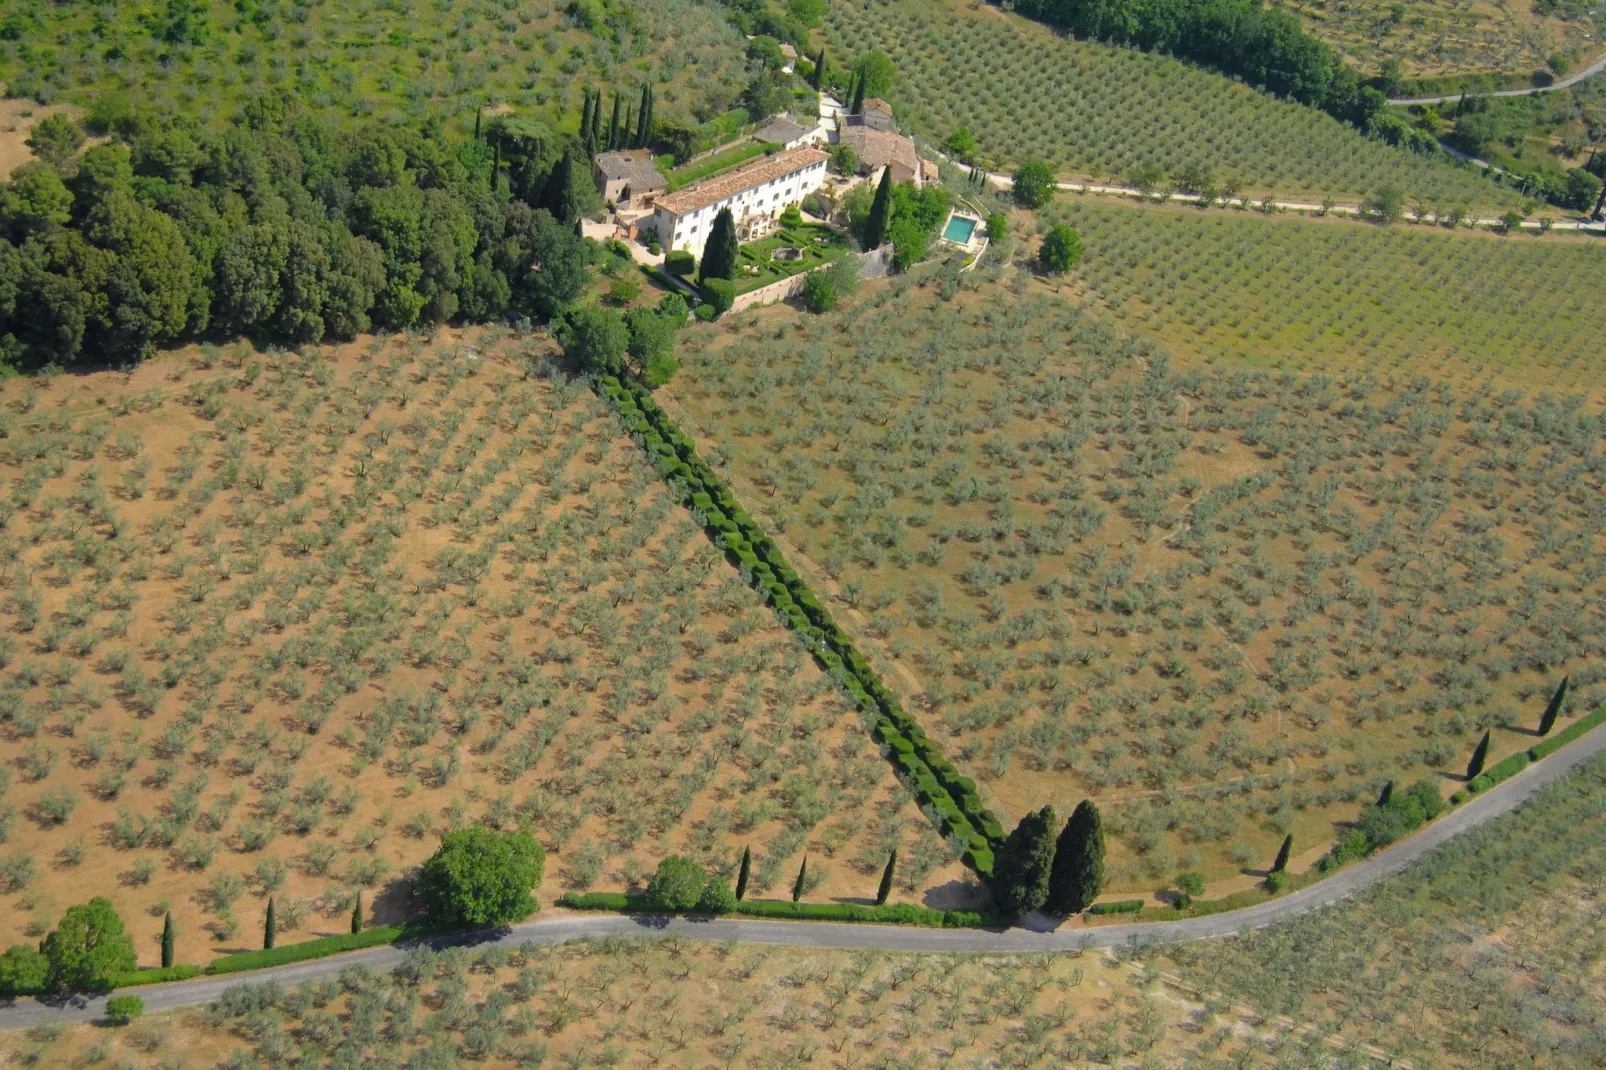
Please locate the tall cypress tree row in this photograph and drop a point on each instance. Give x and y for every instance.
(719, 255)
(1078, 873)
(1021, 871)
(1553, 710)
(875, 227)
(1479, 756)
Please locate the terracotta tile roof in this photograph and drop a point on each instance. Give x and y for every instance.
(637, 168)
(877, 104)
(877, 148)
(728, 185)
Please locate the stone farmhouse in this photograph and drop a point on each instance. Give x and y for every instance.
(755, 194)
(628, 179)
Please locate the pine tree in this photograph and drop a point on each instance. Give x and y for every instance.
(886, 879)
(356, 914)
(613, 124)
(269, 930)
(1021, 871)
(1479, 756)
(875, 227)
(719, 255)
(802, 875)
(1282, 854)
(1078, 873)
(741, 874)
(819, 70)
(858, 96)
(1552, 711)
(168, 938)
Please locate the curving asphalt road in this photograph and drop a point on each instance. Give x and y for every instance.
(1571, 80)
(1498, 800)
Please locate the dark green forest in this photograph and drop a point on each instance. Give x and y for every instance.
(286, 226)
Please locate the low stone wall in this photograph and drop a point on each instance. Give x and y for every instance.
(875, 264)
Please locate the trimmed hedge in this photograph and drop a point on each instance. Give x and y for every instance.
(1119, 906)
(1501, 770)
(888, 914)
(325, 946)
(947, 797)
(1567, 735)
(177, 972)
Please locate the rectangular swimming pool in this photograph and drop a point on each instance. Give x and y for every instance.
(959, 229)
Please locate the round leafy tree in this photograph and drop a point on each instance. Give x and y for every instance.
(678, 884)
(1062, 249)
(481, 877)
(89, 947)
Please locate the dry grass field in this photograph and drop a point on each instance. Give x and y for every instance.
(271, 622)
(1227, 603)
(670, 1003)
(1438, 37)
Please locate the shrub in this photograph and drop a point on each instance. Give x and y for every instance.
(1501, 770)
(320, 948)
(680, 263)
(124, 1009)
(1275, 881)
(716, 898)
(677, 884)
(88, 947)
(1061, 249)
(1120, 906)
(481, 877)
(717, 294)
(791, 216)
(819, 292)
(22, 970)
(998, 226)
(1191, 886)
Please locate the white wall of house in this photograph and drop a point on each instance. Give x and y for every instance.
(768, 199)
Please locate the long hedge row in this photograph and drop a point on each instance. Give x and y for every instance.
(950, 798)
(324, 946)
(1562, 738)
(887, 914)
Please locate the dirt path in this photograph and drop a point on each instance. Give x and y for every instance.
(1037, 934)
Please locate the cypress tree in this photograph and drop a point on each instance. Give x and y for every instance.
(858, 96)
(719, 255)
(875, 227)
(1552, 711)
(356, 914)
(819, 70)
(1021, 871)
(652, 117)
(565, 192)
(741, 874)
(1282, 854)
(496, 168)
(613, 124)
(269, 930)
(642, 118)
(1475, 766)
(478, 112)
(585, 116)
(802, 875)
(886, 879)
(168, 937)
(1386, 794)
(1078, 874)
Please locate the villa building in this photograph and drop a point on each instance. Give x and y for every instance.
(628, 179)
(878, 149)
(756, 196)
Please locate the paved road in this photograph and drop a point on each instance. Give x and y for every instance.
(554, 930)
(1571, 80)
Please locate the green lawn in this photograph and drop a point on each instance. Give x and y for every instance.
(805, 236)
(696, 171)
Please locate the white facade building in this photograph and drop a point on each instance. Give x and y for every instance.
(756, 195)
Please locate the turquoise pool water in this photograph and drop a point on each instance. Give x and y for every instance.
(959, 229)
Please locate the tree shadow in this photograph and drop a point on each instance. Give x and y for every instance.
(394, 903)
(963, 894)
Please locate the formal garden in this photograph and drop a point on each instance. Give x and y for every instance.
(795, 247)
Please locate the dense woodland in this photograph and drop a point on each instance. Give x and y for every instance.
(286, 226)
